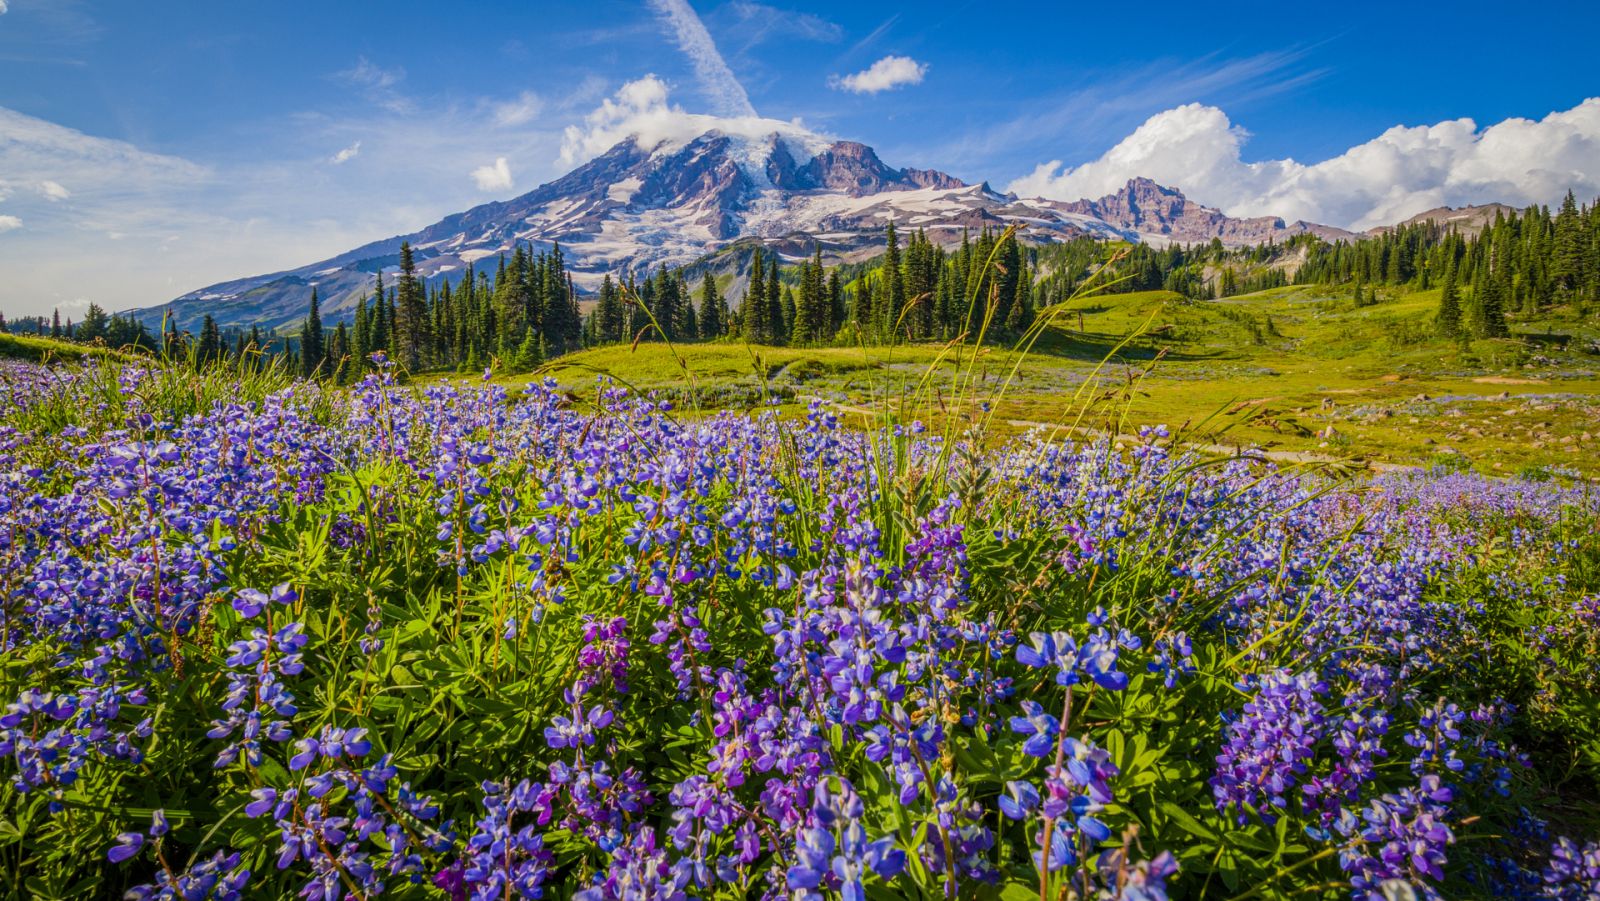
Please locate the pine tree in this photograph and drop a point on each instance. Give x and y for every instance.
(776, 321)
(688, 318)
(609, 314)
(209, 350)
(312, 349)
(1448, 322)
(754, 319)
(786, 308)
(360, 336)
(835, 305)
(713, 315)
(339, 367)
(529, 355)
(807, 306)
(55, 323)
(411, 310)
(1020, 317)
(894, 281)
(380, 319)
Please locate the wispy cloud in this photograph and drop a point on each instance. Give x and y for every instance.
(717, 81)
(885, 74)
(758, 22)
(873, 36)
(1073, 123)
(3, 7)
(377, 84)
(493, 177)
(53, 190)
(347, 154)
(519, 110)
(7, 223)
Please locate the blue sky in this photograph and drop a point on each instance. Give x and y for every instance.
(148, 149)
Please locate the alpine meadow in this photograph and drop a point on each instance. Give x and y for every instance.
(1186, 512)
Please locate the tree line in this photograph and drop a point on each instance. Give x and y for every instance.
(526, 310)
(1528, 263)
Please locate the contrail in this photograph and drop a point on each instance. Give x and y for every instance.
(716, 79)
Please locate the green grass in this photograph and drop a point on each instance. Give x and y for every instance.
(1274, 370)
(38, 350)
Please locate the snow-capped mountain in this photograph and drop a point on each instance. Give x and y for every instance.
(635, 208)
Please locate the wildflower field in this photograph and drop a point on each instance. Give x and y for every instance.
(267, 639)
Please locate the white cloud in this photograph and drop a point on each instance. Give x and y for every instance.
(889, 72)
(7, 223)
(3, 8)
(521, 110)
(640, 110)
(727, 95)
(1404, 171)
(496, 177)
(347, 154)
(52, 190)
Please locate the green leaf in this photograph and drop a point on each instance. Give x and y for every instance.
(1186, 820)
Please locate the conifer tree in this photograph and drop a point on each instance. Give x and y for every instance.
(380, 319)
(777, 324)
(1448, 322)
(529, 355)
(339, 367)
(1020, 316)
(835, 305)
(894, 283)
(713, 314)
(209, 350)
(806, 306)
(786, 316)
(411, 310)
(312, 350)
(754, 319)
(360, 335)
(609, 324)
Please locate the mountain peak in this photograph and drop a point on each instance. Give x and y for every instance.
(1164, 214)
(672, 199)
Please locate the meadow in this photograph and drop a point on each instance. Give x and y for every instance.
(1299, 373)
(882, 639)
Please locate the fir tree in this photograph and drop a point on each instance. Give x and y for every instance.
(776, 322)
(209, 350)
(894, 282)
(339, 367)
(312, 350)
(713, 314)
(1448, 322)
(411, 310)
(530, 353)
(360, 335)
(754, 319)
(609, 314)
(380, 319)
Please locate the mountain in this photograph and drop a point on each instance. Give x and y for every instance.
(1163, 215)
(634, 209)
(1469, 220)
